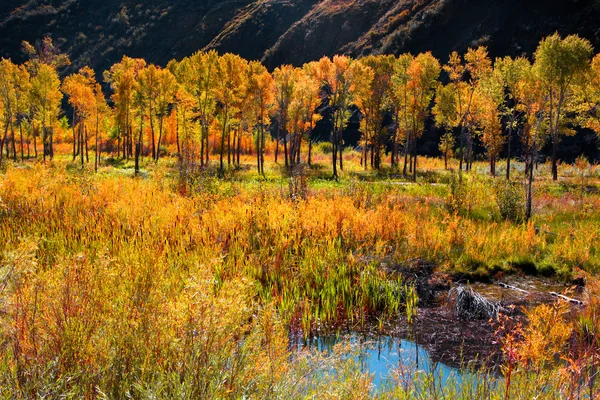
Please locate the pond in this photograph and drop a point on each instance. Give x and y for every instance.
(385, 355)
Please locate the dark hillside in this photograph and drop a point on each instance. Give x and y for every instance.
(99, 32)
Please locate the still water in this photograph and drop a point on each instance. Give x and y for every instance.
(385, 356)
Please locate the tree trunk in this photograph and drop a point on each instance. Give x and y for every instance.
(87, 154)
(21, 140)
(285, 148)
(334, 154)
(510, 129)
(81, 124)
(310, 145)
(262, 150)
(229, 147)
(258, 148)
(277, 141)
(74, 136)
(222, 152)
(14, 143)
(160, 135)
(138, 146)
(177, 134)
(239, 146)
(529, 195)
(97, 160)
(554, 157)
(341, 149)
(152, 136)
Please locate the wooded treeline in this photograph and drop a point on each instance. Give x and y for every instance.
(220, 106)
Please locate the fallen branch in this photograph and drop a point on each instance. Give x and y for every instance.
(565, 298)
(504, 285)
(554, 294)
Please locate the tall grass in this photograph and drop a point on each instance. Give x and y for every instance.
(114, 287)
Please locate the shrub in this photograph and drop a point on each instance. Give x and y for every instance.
(510, 201)
(457, 200)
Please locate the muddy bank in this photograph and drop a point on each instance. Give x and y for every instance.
(457, 340)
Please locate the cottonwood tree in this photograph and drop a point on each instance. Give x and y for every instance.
(228, 90)
(45, 99)
(8, 96)
(423, 73)
(284, 89)
(530, 96)
(373, 99)
(198, 75)
(487, 102)
(446, 147)
(262, 97)
(302, 114)
(454, 101)
(122, 78)
(79, 88)
(338, 77)
(400, 98)
(510, 71)
(559, 64)
(159, 87)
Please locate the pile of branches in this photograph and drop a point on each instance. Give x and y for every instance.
(469, 304)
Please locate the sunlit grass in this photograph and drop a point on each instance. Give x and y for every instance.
(114, 285)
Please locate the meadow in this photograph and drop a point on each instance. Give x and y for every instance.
(153, 285)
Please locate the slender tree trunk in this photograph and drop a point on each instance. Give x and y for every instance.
(239, 147)
(177, 133)
(138, 146)
(285, 148)
(21, 140)
(14, 143)
(529, 194)
(35, 152)
(207, 147)
(510, 129)
(554, 157)
(202, 143)
(334, 153)
(222, 152)
(74, 136)
(44, 141)
(229, 147)
(81, 124)
(415, 167)
(160, 135)
(262, 150)
(87, 153)
(277, 141)
(258, 148)
(341, 149)
(97, 160)
(406, 151)
(310, 145)
(152, 135)
(2, 140)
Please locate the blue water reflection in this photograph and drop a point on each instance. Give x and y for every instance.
(392, 360)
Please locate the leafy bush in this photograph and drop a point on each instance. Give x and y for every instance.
(510, 201)
(457, 200)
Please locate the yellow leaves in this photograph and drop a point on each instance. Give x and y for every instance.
(455, 68)
(545, 336)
